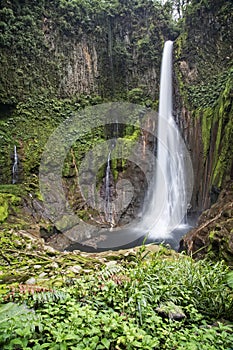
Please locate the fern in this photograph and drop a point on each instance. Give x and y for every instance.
(49, 297)
(16, 320)
(10, 311)
(35, 295)
(230, 279)
(109, 271)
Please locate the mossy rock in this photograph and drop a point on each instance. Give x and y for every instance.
(213, 237)
(221, 241)
(3, 209)
(7, 201)
(46, 230)
(18, 190)
(171, 311)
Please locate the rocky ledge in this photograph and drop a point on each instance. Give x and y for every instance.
(213, 235)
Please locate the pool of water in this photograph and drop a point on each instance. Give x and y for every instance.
(130, 237)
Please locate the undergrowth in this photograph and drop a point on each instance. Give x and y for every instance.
(117, 306)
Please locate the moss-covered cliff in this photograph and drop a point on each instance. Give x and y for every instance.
(205, 80)
(64, 48)
(60, 56)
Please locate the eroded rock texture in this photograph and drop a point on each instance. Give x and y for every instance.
(214, 233)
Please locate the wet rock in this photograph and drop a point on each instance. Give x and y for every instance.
(50, 250)
(213, 235)
(54, 265)
(47, 230)
(59, 242)
(92, 242)
(42, 274)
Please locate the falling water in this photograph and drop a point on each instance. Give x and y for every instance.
(15, 166)
(107, 190)
(167, 203)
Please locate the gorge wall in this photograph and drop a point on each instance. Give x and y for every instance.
(62, 55)
(68, 48)
(204, 98)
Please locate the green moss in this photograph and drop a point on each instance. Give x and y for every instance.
(7, 201)
(3, 209)
(18, 189)
(134, 136)
(136, 95)
(206, 128)
(180, 45)
(115, 168)
(223, 146)
(217, 133)
(220, 246)
(86, 214)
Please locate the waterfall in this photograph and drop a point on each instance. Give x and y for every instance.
(15, 166)
(108, 214)
(165, 207)
(169, 178)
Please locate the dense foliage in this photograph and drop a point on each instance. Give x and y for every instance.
(140, 300)
(38, 38)
(52, 300)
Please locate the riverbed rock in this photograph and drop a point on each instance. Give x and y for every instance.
(213, 235)
(31, 280)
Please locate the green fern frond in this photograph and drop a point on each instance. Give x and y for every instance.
(49, 297)
(109, 271)
(12, 311)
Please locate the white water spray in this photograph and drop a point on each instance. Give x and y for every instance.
(166, 205)
(107, 191)
(15, 166)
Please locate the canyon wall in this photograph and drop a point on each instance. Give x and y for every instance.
(92, 52)
(204, 95)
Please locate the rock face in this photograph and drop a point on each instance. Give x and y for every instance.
(203, 95)
(64, 49)
(58, 52)
(207, 132)
(213, 235)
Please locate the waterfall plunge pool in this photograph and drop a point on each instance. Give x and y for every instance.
(131, 237)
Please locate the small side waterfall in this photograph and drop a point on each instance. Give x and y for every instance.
(107, 190)
(15, 166)
(166, 205)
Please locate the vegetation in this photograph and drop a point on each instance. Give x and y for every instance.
(145, 298)
(216, 120)
(141, 299)
(204, 72)
(38, 40)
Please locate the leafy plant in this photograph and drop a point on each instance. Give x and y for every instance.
(17, 323)
(122, 306)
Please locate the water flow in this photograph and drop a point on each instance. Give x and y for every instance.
(108, 215)
(15, 166)
(166, 207)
